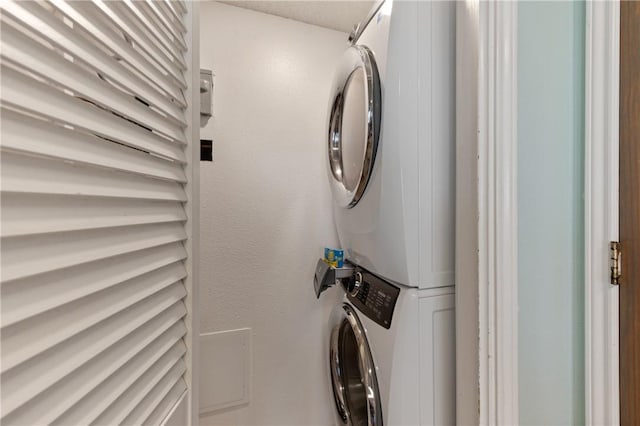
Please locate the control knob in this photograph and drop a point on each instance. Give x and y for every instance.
(357, 284)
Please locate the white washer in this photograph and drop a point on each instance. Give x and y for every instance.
(401, 375)
(391, 144)
(391, 150)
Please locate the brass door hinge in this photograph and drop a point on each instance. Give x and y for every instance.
(616, 258)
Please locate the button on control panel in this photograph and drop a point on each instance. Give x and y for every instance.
(376, 298)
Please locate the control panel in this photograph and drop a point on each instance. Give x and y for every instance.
(373, 296)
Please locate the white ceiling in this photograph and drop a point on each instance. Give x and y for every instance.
(336, 15)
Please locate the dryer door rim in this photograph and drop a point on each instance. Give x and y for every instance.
(356, 59)
(344, 320)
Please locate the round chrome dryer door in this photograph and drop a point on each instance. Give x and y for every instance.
(354, 125)
(353, 373)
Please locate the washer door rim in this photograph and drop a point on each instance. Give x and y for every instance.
(345, 316)
(355, 58)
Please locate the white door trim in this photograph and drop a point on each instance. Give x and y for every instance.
(192, 208)
(602, 62)
(486, 223)
(498, 213)
(467, 225)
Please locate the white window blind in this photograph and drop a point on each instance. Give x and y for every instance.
(93, 190)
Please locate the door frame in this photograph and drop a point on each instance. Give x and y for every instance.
(191, 409)
(602, 77)
(186, 410)
(486, 195)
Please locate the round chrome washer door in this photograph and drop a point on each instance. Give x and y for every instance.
(354, 125)
(353, 373)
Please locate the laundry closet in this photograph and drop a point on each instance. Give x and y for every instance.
(376, 212)
(375, 343)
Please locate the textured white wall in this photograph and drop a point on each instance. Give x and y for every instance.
(266, 206)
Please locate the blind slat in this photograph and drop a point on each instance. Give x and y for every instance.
(22, 299)
(171, 384)
(175, 10)
(19, 338)
(179, 5)
(31, 255)
(38, 137)
(164, 407)
(56, 69)
(39, 98)
(54, 401)
(173, 16)
(143, 321)
(140, 36)
(34, 175)
(140, 39)
(145, 366)
(146, 9)
(83, 15)
(92, 307)
(27, 387)
(167, 26)
(54, 31)
(130, 8)
(117, 413)
(30, 214)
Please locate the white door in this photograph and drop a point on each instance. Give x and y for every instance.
(97, 212)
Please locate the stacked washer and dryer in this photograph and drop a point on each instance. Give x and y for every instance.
(391, 151)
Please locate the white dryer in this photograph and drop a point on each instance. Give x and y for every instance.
(391, 143)
(391, 150)
(392, 354)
